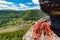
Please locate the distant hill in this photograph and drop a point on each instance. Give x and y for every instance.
(33, 14)
(8, 16)
(17, 14)
(10, 13)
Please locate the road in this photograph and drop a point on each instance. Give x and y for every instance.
(12, 29)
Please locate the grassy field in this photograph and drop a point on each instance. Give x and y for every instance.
(16, 35)
(10, 18)
(17, 18)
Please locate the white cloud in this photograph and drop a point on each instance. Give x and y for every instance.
(35, 7)
(35, 2)
(5, 2)
(29, 3)
(5, 5)
(22, 5)
(25, 7)
(12, 7)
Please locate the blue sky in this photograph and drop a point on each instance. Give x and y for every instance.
(19, 4)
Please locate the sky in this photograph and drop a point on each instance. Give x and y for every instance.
(19, 4)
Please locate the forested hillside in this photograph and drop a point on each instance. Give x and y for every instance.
(11, 17)
(11, 20)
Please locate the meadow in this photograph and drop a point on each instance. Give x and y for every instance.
(12, 18)
(16, 35)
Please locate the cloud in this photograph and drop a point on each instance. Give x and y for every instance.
(7, 5)
(29, 3)
(14, 7)
(25, 7)
(5, 2)
(10, 5)
(35, 7)
(22, 5)
(35, 2)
